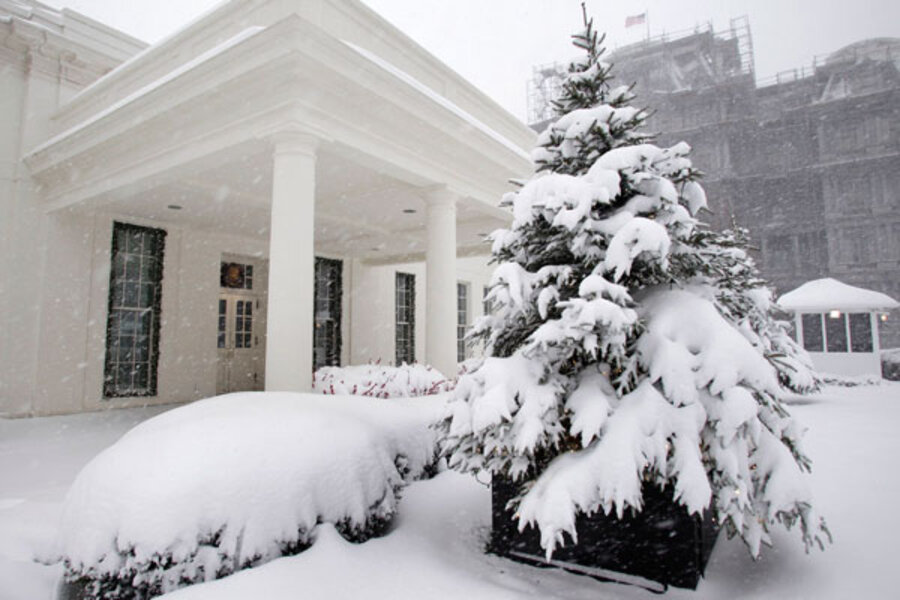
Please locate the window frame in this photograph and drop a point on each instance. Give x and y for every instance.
(837, 339)
(462, 319)
(111, 387)
(333, 296)
(806, 327)
(404, 345)
(860, 341)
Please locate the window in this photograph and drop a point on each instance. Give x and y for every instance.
(860, 332)
(812, 332)
(486, 302)
(856, 245)
(132, 328)
(780, 250)
(462, 319)
(405, 310)
(223, 321)
(327, 332)
(243, 324)
(836, 332)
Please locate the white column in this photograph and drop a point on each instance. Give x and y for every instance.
(440, 282)
(289, 326)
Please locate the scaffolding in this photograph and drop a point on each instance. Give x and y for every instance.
(547, 79)
(543, 87)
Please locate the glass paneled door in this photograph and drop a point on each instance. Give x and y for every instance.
(241, 331)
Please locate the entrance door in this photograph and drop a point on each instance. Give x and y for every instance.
(241, 331)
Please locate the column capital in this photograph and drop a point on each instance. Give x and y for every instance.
(439, 195)
(294, 142)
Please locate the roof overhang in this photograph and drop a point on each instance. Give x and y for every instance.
(289, 74)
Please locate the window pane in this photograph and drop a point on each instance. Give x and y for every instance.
(132, 267)
(812, 333)
(836, 332)
(220, 341)
(860, 332)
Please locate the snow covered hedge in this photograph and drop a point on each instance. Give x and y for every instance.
(381, 381)
(629, 343)
(890, 364)
(230, 482)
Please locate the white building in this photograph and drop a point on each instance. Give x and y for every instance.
(279, 185)
(838, 325)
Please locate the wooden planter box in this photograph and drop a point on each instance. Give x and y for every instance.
(660, 546)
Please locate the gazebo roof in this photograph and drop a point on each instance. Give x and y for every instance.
(828, 294)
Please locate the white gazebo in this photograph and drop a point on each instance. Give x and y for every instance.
(838, 325)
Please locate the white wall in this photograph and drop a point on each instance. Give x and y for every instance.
(31, 88)
(68, 292)
(372, 305)
(43, 281)
(72, 347)
(847, 363)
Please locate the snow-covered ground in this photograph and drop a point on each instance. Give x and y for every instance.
(434, 549)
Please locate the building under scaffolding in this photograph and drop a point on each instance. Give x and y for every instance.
(808, 161)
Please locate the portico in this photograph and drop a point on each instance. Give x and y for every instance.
(283, 134)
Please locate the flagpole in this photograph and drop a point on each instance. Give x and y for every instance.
(647, 20)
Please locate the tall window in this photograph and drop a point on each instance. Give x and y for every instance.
(405, 311)
(860, 332)
(836, 332)
(486, 302)
(132, 328)
(462, 319)
(327, 333)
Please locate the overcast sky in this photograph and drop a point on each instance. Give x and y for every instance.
(494, 43)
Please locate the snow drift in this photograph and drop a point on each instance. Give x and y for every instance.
(234, 481)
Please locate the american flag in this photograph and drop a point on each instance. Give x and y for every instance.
(636, 19)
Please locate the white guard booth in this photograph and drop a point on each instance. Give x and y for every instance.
(838, 325)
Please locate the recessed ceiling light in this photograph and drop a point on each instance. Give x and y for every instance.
(409, 211)
(174, 207)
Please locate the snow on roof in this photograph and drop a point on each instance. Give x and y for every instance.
(830, 294)
(438, 98)
(191, 64)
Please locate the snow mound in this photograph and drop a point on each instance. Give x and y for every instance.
(381, 381)
(234, 481)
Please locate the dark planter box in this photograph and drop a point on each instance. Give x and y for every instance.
(660, 546)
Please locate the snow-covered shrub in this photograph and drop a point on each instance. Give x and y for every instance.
(629, 344)
(381, 381)
(234, 481)
(890, 364)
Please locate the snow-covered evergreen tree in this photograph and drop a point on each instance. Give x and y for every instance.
(628, 344)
